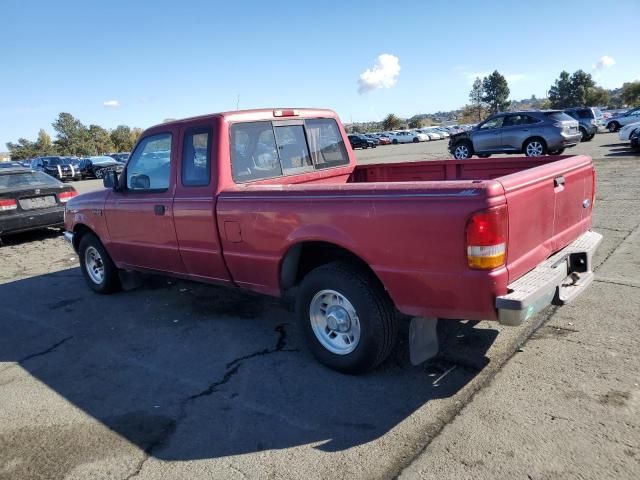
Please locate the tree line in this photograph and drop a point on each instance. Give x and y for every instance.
(73, 138)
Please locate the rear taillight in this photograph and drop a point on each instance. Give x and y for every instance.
(487, 238)
(8, 205)
(65, 196)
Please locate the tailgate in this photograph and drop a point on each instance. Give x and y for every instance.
(549, 207)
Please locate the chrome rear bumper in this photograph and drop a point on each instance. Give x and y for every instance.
(558, 280)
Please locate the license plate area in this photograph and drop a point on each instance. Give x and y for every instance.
(37, 202)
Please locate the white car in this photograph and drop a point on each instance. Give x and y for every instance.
(443, 131)
(404, 136)
(615, 123)
(626, 131)
(433, 133)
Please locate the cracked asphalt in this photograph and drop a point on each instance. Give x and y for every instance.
(182, 380)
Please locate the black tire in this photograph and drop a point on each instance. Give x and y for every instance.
(463, 150)
(584, 134)
(484, 155)
(394, 141)
(613, 127)
(536, 142)
(590, 137)
(375, 313)
(111, 280)
(559, 151)
(415, 140)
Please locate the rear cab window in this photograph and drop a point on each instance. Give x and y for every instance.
(196, 157)
(268, 149)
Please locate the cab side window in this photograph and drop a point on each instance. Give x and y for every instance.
(150, 164)
(196, 158)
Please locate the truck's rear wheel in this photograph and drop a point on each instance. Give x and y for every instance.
(97, 267)
(347, 318)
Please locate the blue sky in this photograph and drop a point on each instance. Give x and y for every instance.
(168, 59)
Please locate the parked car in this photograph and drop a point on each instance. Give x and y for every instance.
(442, 131)
(615, 122)
(11, 164)
(95, 167)
(373, 138)
(31, 200)
(120, 157)
(627, 131)
(432, 133)
(635, 140)
(360, 141)
(383, 139)
(292, 213)
(533, 133)
(590, 121)
(405, 136)
(57, 167)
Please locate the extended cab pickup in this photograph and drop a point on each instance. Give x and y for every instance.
(273, 201)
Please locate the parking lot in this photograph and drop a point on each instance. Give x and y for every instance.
(182, 380)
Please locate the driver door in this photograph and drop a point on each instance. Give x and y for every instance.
(488, 136)
(139, 215)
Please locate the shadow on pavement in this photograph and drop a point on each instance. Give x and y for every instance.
(189, 371)
(29, 236)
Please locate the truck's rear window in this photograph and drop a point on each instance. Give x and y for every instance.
(272, 149)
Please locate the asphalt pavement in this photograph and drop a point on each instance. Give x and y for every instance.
(183, 380)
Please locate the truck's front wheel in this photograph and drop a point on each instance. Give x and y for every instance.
(347, 318)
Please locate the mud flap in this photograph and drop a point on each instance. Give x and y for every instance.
(423, 339)
(129, 280)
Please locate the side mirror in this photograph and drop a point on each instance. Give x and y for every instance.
(140, 182)
(110, 180)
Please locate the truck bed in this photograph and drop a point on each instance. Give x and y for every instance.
(407, 222)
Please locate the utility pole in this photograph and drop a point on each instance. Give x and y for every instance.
(238, 103)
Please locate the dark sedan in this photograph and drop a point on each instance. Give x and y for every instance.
(97, 167)
(31, 200)
(360, 141)
(57, 167)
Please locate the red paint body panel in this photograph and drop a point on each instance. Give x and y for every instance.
(405, 220)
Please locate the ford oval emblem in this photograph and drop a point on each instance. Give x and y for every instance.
(585, 203)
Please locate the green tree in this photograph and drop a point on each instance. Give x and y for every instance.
(391, 122)
(44, 144)
(476, 98)
(100, 140)
(560, 91)
(415, 123)
(631, 93)
(573, 91)
(581, 85)
(22, 149)
(71, 135)
(121, 137)
(496, 92)
(597, 96)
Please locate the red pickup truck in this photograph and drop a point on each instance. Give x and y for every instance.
(273, 201)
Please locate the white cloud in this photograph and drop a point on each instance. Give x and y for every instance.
(384, 74)
(111, 103)
(604, 62)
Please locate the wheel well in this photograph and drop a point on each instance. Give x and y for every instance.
(301, 258)
(534, 138)
(79, 231)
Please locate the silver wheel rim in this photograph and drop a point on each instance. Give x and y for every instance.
(335, 322)
(94, 265)
(461, 151)
(534, 149)
(98, 173)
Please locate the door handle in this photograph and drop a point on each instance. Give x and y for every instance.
(159, 209)
(558, 181)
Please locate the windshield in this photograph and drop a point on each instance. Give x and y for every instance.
(26, 180)
(53, 161)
